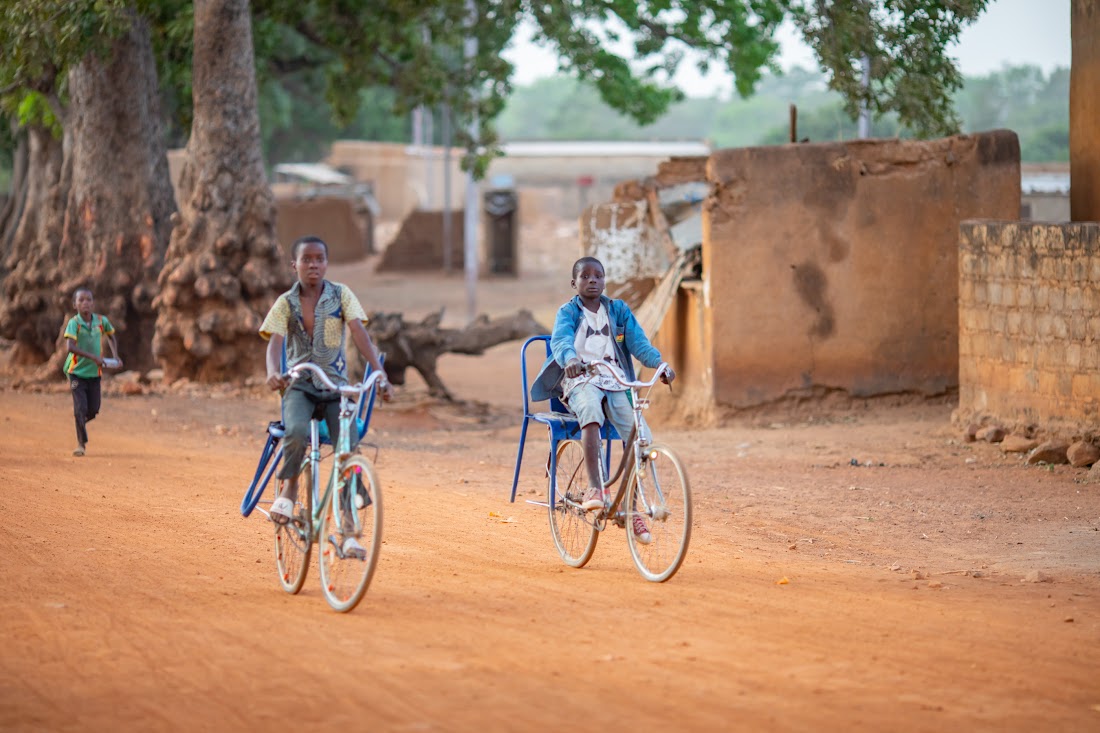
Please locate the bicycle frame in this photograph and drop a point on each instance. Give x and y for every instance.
(342, 450)
(640, 438)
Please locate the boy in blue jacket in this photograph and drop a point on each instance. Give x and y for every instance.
(589, 328)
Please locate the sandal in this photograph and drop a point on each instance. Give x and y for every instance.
(352, 548)
(282, 510)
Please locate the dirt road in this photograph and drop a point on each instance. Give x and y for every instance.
(137, 597)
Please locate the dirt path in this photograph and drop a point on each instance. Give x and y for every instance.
(137, 598)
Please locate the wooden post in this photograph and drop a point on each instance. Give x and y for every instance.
(794, 123)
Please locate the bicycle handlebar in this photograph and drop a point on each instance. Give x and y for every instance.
(593, 368)
(351, 390)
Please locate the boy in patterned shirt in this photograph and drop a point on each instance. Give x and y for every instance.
(309, 319)
(84, 336)
(592, 327)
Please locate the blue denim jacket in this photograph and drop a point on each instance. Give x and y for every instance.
(629, 339)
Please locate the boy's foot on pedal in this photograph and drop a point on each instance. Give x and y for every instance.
(352, 548)
(79, 451)
(641, 532)
(593, 499)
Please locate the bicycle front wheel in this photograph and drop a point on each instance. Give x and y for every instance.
(294, 540)
(351, 535)
(658, 509)
(574, 536)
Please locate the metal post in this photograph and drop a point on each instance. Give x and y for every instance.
(471, 214)
(446, 134)
(427, 139)
(865, 110)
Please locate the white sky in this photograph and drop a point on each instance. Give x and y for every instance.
(1008, 32)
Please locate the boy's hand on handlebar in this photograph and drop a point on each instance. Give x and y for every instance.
(277, 382)
(387, 390)
(574, 368)
(668, 376)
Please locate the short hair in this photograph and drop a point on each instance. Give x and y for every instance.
(303, 241)
(78, 291)
(586, 261)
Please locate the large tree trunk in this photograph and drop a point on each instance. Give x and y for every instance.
(224, 267)
(12, 210)
(31, 309)
(117, 221)
(96, 209)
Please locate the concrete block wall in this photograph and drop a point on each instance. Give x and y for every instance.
(1029, 324)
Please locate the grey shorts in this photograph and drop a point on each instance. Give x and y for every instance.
(586, 401)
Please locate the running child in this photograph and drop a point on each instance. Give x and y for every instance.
(84, 336)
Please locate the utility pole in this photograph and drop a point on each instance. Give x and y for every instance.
(471, 216)
(446, 134)
(865, 109)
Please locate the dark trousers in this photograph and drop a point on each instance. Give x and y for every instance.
(86, 402)
(301, 403)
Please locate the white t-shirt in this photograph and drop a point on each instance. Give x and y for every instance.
(594, 343)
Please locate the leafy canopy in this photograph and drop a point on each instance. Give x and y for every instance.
(628, 50)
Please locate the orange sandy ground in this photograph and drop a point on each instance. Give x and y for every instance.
(138, 598)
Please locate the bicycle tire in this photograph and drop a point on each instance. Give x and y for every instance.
(574, 535)
(659, 493)
(294, 540)
(345, 579)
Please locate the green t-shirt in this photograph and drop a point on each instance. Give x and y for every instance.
(88, 337)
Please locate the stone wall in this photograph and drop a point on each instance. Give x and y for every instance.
(835, 266)
(1029, 324)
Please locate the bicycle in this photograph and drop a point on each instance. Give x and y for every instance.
(345, 577)
(655, 487)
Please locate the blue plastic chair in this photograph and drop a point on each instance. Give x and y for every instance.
(561, 423)
(272, 451)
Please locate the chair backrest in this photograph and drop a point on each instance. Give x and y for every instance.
(555, 404)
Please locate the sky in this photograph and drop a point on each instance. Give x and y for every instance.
(1009, 32)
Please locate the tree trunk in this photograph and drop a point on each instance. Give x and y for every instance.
(31, 309)
(419, 345)
(12, 211)
(224, 268)
(117, 221)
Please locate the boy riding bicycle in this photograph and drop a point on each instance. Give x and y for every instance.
(309, 319)
(594, 328)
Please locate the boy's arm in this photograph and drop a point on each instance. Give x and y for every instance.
(275, 378)
(564, 336)
(366, 347)
(70, 343)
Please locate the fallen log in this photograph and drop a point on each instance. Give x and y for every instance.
(419, 345)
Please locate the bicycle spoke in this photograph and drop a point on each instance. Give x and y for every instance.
(294, 540)
(351, 532)
(574, 534)
(661, 499)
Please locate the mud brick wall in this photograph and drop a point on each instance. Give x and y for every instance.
(1029, 323)
(834, 267)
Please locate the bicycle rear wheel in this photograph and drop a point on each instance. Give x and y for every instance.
(353, 512)
(294, 540)
(574, 536)
(659, 494)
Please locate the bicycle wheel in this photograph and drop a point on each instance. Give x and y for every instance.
(294, 540)
(659, 494)
(353, 512)
(574, 536)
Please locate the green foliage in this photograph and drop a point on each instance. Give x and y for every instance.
(1023, 99)
(335, 57)
(42, 40)
(906, 42)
